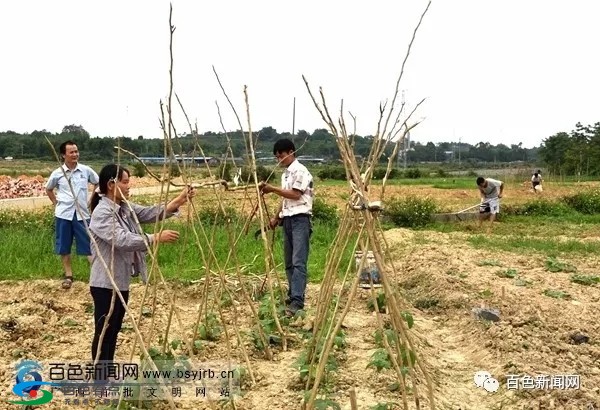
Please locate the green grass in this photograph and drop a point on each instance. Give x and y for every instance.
(546, 246)
(27, 253)
(573, 224)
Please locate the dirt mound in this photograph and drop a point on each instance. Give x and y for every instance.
(21, 187)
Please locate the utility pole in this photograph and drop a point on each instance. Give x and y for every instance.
(294, 120)
(406, 141)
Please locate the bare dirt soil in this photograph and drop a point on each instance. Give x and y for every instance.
(440, 278)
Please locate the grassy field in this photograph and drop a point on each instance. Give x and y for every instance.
(30, 256)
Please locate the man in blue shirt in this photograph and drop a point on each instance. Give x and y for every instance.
(70, 206)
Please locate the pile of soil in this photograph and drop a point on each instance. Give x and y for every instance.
(21, 187)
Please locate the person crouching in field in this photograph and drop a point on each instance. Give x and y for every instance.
(536, 182)
(113, 224)
(491, 192)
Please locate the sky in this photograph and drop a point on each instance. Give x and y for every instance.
(509, 71)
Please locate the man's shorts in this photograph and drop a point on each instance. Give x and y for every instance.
(490, 206)
(65, 232)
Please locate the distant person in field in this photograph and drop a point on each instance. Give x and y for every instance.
(122, 247)
(491, 191)
(294, 214)
(536, 180)
(70, 206)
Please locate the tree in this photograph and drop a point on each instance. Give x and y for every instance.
(76, 130)
(553, 151)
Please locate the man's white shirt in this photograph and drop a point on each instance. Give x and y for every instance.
(79, 179)
(296, 176)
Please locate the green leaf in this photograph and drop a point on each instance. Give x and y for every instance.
(410, 321)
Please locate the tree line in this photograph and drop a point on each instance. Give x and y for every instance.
(573, 153)
(566, 153)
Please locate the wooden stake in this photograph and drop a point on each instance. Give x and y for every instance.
(353, 404)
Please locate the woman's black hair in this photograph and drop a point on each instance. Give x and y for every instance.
(108, 173)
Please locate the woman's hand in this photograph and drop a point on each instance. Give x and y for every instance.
(166, 236)
(187, 193)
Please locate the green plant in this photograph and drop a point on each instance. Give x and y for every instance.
(426, 303)
(384, 406)
(441, 172)
(379, 173)
(489, 262)
(557, 294)
(413, 173)
(411, 211)
(19, 218)
(509, 273)
(554, 265)
(586, 202)
(267, 321)
(380, 360)
(215, 215)
(587, 280)
(380, 299)
(540, 207)
(139, 170)
(324, 212)
(210, 329)
(224, 171)
(174, 170)
(262, 173)
(332, 172)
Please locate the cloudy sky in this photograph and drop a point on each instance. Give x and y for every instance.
(500, 71)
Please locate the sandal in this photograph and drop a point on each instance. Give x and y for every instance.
(67, 282)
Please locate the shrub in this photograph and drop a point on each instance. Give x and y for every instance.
(586, 202)
(541, 207)
(413, 173)
(263, 173)
(324, 212)
(379, 173)
(411, 211)
(224, 172)
(332, 172)
(139, 170)
(472, 174)
(441, 172)
(174, 171)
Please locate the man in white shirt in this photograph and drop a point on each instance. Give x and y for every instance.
(70, 206)
(491, 192)
(536, 181)
(294, 215)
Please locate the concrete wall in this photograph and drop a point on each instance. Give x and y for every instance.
(38, 202)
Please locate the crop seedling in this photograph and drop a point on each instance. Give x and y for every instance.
(522, 282)
(210, 329)
(380, 300)
(586, 280)
(384, 406)
(557, 294)
(323, 403)
(489, 262)
(426, 303)
(554, 265)
(267, 321)
(509, 273)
